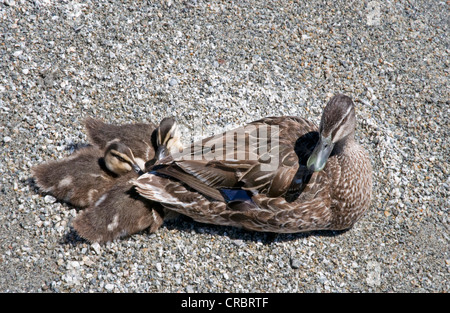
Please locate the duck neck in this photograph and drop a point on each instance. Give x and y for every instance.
(344, 144)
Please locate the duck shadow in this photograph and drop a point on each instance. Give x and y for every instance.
(186, 224)
(71, 238)
(31, 183)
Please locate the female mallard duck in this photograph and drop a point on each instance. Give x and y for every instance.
(84, 176)
(121, 211)
(290, 177)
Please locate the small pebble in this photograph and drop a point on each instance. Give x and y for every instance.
(49, 199)
(295, 263)
(109, 287)
(96, 247)
(9, 2)
(238, 242)
(173, 82)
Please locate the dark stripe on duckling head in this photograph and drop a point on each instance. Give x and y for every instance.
(120, 159)
(168, 138)
(165, 130)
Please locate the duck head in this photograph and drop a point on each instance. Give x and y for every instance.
(337, 125)
(167, 138)
(119, 159)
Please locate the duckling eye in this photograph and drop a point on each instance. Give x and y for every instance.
(121, 159)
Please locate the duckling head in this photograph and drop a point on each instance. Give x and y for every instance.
(337, 125)
(119, 158)
(168, 138)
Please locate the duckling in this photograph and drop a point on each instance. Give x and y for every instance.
(278, 174)
(139, 137)
(168, 141)
(84, 176)
(121, 211)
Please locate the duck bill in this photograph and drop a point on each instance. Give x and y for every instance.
(320, 154)
(137, 169)
(162, 152)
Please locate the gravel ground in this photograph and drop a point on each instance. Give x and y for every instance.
(216, 65)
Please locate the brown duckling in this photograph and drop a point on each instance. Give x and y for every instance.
(84, 176)
(121, 211)
(139, 137)
(168, 141)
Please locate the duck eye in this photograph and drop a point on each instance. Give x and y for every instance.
(120, 158)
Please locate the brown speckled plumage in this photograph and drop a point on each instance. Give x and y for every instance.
(79, 179)
(97, 178)
(296, 195)
(120, 211)
(139, 137)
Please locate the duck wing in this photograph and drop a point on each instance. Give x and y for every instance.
(311, 210)
(260, 156)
